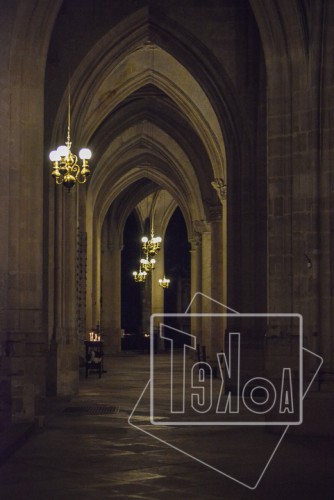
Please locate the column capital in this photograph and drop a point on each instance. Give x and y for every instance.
(200, 226)
(221, 187)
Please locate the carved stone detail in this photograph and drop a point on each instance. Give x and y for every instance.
(200, 226)
(221, 188)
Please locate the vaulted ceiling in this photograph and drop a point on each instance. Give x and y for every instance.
(146, 99)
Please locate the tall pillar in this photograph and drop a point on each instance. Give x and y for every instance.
(196, 285)
(157, 294)
(206, 279)
(209, 275)
(110, 292)
(23, 302)
(106, 289)
(218, 282)
(63, 373)
(157, 304)
(323, 333)
(146, 297)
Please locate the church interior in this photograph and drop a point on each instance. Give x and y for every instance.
(204, 126)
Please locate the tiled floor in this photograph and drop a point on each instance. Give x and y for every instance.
(88, 450)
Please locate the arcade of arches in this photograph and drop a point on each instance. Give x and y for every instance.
(215, 114)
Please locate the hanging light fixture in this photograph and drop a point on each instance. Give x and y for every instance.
(164, 283)
(66, 169)
(151, 246)
(146, 264)
(140, 276)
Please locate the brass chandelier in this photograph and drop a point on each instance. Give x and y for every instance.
(150, 248)
(140, 276)
(147, 264)
(66, 169)
(164, 283)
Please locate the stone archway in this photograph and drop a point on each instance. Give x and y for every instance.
(143, 63)
(125, 152)
(30, 40)
(289, 151)
(145, 148)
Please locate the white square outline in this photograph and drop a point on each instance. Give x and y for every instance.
(226, 315)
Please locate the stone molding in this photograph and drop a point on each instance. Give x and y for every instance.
(221, 187)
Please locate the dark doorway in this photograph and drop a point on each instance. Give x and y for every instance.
(130, 290)
(177, 269)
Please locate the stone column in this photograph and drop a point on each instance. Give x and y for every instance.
(209, 273)
(196, 285)
(146, 297)
(157, 305)
(218, 280)
(157, 294)
(206, 279)
(219, 228)
(323, 66)
(106, 289)
(63, 373)
(110, 292)
(23, 317)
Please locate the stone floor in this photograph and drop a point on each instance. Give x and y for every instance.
(87, 449)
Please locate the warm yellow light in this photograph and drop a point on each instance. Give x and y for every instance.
(66, 169)
(62, 151)
(164, 283)
(85, 154)
(54, 156)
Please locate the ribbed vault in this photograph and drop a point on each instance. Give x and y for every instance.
(147, 100)
(101, 97)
